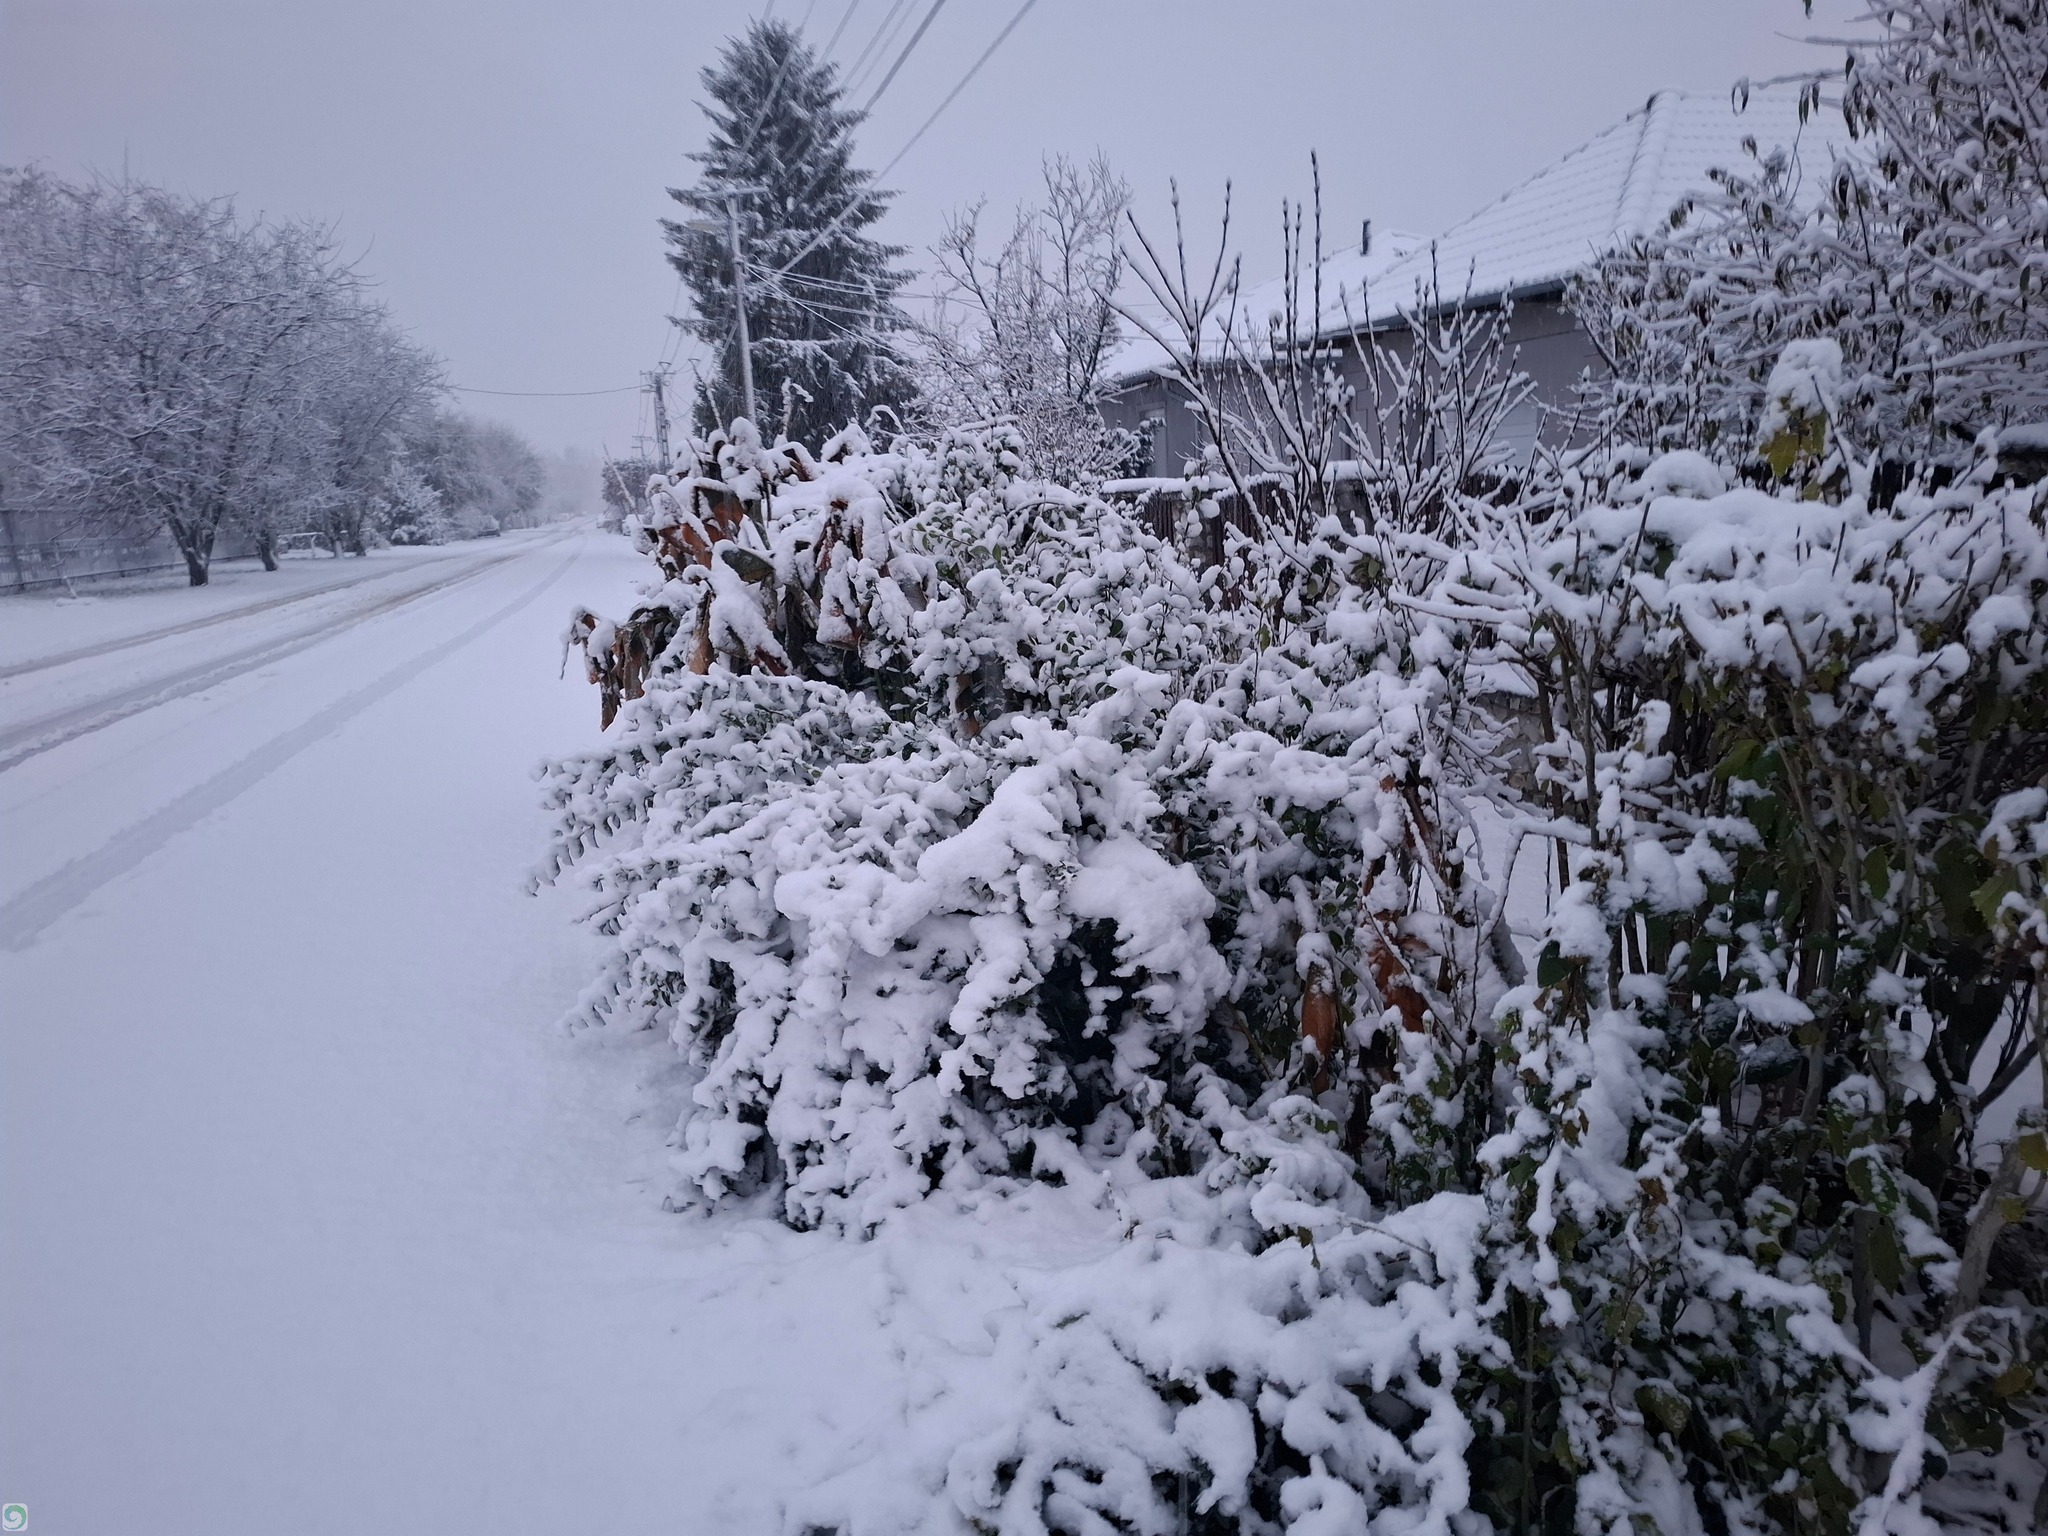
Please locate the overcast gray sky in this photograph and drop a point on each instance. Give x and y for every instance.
(501, 163)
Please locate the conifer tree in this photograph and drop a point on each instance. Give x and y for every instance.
(780, 158)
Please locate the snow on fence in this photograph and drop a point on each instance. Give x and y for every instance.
(1165, 502)
(52, 547)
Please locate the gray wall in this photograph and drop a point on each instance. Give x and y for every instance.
(1549, 347)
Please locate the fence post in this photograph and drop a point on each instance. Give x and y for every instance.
(13, 548)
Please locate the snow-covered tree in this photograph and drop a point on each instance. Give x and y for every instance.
(1919, 253)
(622, 483)
(484, 477)
(1026, 328)
(820, 288)
(171, 366)
(367, 394)
(410, 510)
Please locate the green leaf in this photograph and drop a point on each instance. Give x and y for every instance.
(1958, 871)
(2013, 1380)
(1887, 1264)
(1562, 1453)
(1659, 1402)
(1564, 1240)
(2034, 1150)
(1988, 896)
(1739, 757)
(1551, 967)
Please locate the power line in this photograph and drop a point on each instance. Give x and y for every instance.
(859, 290)
(675, 331)
(987, 53)
(851, 7)
(922, 26)
(543, 394)
(881, 33)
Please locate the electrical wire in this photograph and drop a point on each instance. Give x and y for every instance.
(853, 70)
(775, 285)
(987, 53)
(675, 331)
(852, 290)
(769, 274)
(544, 394)
(851, 7)
(929, 17)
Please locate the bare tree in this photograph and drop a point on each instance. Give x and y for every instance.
(1024, 330)
(1313, 410)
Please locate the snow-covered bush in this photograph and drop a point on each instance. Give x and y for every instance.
(1527, 967)
(1545, 976)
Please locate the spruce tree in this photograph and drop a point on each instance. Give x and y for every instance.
(781, 155)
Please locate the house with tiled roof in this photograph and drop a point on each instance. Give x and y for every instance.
(1522, 249)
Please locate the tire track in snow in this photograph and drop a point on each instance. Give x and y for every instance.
(169, 631)
(25, 917)
(38, 736)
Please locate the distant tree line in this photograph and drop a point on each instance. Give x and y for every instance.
(167, 365)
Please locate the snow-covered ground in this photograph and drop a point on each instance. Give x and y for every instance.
(50, 621)
(310, 1218)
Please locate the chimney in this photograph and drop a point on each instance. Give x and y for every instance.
(1365, 239)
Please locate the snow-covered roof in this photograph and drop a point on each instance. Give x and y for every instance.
(1621, 184)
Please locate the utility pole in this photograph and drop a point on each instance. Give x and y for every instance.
(739, 291)
(657, 384)
(739, 299)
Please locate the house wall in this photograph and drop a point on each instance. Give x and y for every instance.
(1552, 349)
(1158, 409)
(1548, 344)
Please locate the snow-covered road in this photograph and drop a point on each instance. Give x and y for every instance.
(310, 1221)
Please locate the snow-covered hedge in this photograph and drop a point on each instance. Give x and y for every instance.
(1541, 976)
(1517, 977)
